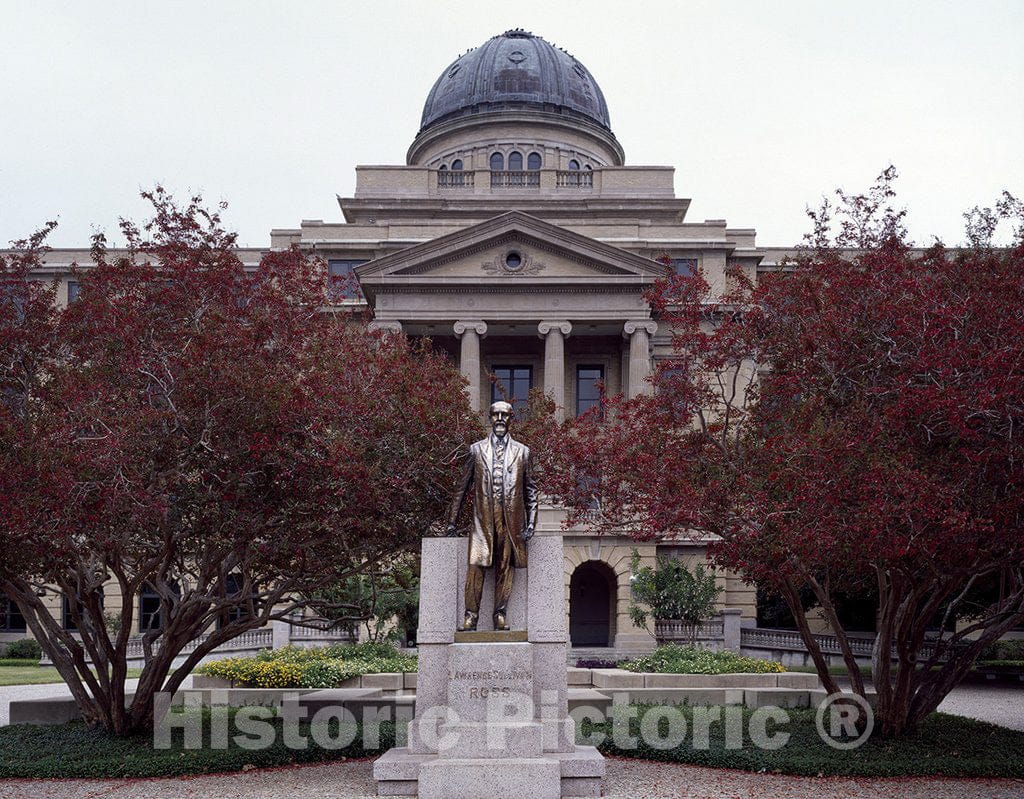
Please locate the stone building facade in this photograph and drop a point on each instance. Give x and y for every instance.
(516, 237)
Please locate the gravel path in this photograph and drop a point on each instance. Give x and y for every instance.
(626, 779)
(997, 704)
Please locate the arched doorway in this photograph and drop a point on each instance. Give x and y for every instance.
(592, 597)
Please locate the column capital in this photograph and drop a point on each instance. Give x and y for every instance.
(479, 326)
(562, 325)
(388, 326)
(635, 325)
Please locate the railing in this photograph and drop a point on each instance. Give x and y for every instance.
(253, 639)
(324, 632)
(672, 630)
(515, 178)
(862, 645)
(249, 641)
(790, 640)
(575, 178)
(455, 178)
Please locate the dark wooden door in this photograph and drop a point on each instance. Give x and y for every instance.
(589, 607)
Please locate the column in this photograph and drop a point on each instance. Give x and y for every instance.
(386, 326)
(469, 358)
(554, 334)
(639, 334)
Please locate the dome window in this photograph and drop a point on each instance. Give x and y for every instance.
(442, 168)
(574, 164)
(515, 161)
(457, 164)
(497, 162)
(533, 161)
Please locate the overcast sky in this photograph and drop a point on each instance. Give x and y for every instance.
(761, 107)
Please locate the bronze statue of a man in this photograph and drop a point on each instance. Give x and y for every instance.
(504, 518)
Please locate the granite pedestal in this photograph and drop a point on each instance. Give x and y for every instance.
(492, 717)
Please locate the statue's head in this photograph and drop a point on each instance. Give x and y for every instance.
(501, 414)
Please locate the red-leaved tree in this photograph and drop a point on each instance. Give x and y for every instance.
(853, 425)
(215, 437)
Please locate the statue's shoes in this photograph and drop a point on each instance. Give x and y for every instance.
(468, 623)
(499, 622)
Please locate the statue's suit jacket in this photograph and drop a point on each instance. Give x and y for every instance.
(519, 507)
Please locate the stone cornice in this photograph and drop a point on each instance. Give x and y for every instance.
(519, 287)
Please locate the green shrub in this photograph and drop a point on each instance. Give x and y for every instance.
(24, 649)
(671, 591)
(1000, 666)
(75, 750)
(674, 659)
(295, 667)
(1003, 650)
(327, 673)
(19, 662)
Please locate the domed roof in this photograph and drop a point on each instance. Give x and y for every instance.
(512, 71)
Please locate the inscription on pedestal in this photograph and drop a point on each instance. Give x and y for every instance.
(487, 684)
(484, 677)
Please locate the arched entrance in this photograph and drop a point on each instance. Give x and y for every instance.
(592, 597)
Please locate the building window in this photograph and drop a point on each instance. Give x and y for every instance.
(684, 267)
(11, 620)
(512, 384)
(74, 288)
(515, 161)
(457, 164)
(151, 616)
(497, 162)
(12, 294)
(533, 161)
(231, 587)
(343, 285)
(588, 387)
(67, 619)
(574, 164)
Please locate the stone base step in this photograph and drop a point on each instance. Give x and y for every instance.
(676, 696)
(477, 739)
(549, 776)
(508, 778)
(776, 697)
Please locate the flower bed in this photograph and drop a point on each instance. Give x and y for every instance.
(673, 659)
(324, 667)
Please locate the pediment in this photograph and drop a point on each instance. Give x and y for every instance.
(514, 247)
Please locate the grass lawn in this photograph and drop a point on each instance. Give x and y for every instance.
(30, 673)
(946, 745)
